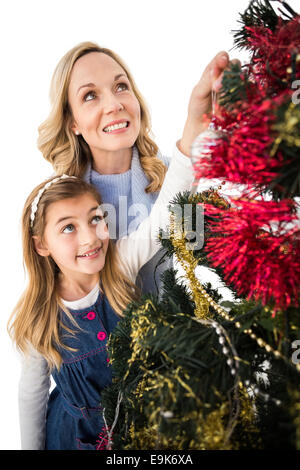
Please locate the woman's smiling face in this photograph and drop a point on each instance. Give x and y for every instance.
(105, 110)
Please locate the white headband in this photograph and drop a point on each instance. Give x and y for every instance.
(34, 205)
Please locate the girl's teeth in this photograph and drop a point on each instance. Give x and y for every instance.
(92, 253)
(115, 126)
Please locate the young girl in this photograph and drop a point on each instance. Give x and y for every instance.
(79, 284)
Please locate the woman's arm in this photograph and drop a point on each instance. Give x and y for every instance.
(142, 244)
(34, 388)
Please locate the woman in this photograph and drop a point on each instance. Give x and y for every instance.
(99, 129)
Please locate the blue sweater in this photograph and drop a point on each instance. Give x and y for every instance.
(126, 193)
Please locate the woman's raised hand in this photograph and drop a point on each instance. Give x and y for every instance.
(200, 101)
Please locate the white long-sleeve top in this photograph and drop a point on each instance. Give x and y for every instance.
(134, 250)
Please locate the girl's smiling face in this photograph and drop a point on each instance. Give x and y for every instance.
(75, 236)
(105, 110)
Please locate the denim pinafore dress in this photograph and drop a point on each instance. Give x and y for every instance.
(74, 416)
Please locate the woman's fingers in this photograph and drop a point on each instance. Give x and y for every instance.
(217, 84)
(211, 72)
(200, 101)
(218, 64)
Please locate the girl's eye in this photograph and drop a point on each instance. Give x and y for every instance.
(122, 85)
(97, 218)
(68, 229)
(89, 96)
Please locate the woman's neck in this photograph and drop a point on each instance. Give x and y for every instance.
(75, 288)
(111, 162)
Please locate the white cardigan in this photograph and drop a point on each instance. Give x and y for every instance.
(134, 250)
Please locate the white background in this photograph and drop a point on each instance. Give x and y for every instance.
(165, 43)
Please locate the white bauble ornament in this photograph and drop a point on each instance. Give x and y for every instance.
(204, 143)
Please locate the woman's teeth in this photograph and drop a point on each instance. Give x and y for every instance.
(115, 126)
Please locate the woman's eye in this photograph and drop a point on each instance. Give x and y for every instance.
(68, 229)
(89, 96)
(96, 219)
(123, 86)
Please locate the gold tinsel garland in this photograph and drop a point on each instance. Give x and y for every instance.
(247, 417)
(212, 428)
(295, 413)
(201, 297)
(211, 431)
(189, 263)
(288, 130)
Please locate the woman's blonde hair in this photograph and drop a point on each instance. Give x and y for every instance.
(70, 154)
(36, 319)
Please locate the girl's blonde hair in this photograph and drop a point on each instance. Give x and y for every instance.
(36, 318)
(70, 154)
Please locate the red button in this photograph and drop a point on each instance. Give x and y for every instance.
(91, 316)
(101, 335)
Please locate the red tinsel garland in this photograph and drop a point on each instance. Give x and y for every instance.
(256, 243)
(257, 250)
(103, 441)
(242, 155)
(273, 52)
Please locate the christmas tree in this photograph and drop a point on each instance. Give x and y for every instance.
(192, 371)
